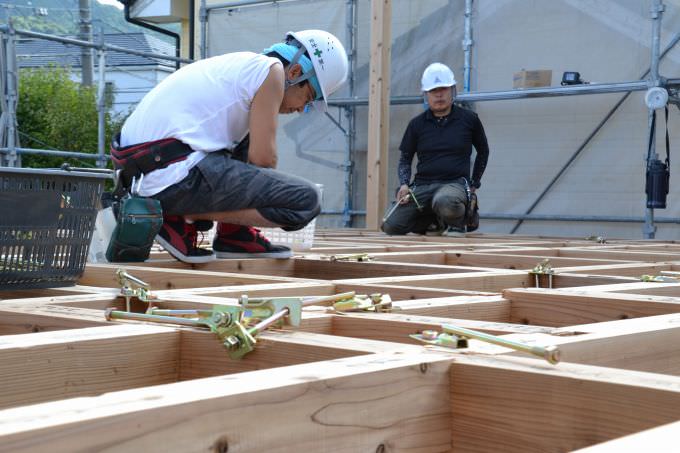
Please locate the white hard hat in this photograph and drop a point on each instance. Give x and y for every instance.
(437, 75)
(328, 58)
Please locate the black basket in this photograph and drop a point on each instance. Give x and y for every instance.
(46, 223)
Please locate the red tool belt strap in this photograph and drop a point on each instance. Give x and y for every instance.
(144, 158)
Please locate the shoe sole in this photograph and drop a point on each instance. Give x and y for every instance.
(245, 255)
(182, 257)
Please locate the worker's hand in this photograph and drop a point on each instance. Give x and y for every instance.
(402, 197)
(473, 189)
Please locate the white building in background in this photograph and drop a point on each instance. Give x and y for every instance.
(131, 76)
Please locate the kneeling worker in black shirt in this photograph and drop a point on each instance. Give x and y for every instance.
(442, 137)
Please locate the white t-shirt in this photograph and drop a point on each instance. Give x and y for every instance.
(205, 104)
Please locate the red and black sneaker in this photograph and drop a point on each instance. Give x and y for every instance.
(180, 239)
(236, 241)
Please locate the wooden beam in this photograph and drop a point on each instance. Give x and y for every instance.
(512, 261)
(662, 439)
(347, 405)
(378, 112)
(85, 362)
(644, 344)
(620, 270)
(403, 293)
(397, 327)
(164, 279)
(473, 281)
(21, 319)
(309, 288)
(554, 308)
(481, 308)
(202, 355)
(522, 405)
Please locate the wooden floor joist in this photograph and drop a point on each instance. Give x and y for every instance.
(72, 381)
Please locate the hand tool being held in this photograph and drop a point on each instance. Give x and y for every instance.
(401, 201)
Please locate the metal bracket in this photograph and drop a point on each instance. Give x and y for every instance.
(455, 337)
(232, 323)
(377, 303)
(141, 291)
(262, 308)
(543, 268)
(598, 239)
(658, 279)
(358, 257)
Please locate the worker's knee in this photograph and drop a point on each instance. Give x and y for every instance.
(450, 208)
(302, 208)
(393, 230)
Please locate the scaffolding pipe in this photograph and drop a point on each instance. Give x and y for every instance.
(588, 139)
(77, 42)
(85, 28)
(351, 17)
(467, 46)
(203, 18)
(571, 90)
(574, 218)
(238, 4)
(50, 152)
(656, 13)
(101, 107)
(12, 95)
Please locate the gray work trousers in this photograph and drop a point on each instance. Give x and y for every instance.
(220, 183)
(442, 204)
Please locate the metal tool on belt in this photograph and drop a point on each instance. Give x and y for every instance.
(456, 337)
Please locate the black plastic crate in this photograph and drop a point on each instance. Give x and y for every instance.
(46, 223)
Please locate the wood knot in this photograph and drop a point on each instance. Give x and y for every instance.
(221, 445)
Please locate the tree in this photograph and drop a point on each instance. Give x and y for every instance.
(54, 112)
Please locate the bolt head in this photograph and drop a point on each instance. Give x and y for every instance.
(232, 342)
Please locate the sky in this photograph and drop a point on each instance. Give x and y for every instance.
(115, 3)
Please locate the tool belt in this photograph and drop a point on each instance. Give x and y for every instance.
(143, 158)
(472, 213)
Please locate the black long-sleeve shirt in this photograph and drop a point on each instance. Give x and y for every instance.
(444, 146)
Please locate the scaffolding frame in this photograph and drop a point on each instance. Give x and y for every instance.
(651, 78)
(10, 151)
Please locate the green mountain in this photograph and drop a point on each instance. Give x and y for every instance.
(61, 17)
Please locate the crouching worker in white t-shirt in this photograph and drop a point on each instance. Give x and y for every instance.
(182, 134)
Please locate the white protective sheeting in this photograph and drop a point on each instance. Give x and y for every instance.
(530, 140)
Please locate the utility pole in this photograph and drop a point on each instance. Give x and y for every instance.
(86, 35)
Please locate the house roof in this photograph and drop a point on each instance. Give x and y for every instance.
(39, 52)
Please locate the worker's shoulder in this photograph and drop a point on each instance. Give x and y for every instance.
(465, 113)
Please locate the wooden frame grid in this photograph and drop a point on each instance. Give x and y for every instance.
(72, 381)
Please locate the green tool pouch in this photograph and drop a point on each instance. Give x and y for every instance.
(138, 222)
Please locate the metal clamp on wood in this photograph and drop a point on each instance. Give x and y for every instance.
(141, 291)
(543, 268)
(232, 323)
(376, 303)
(456, 337)
(358, 257)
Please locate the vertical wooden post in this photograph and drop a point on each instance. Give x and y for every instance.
(378, 112)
